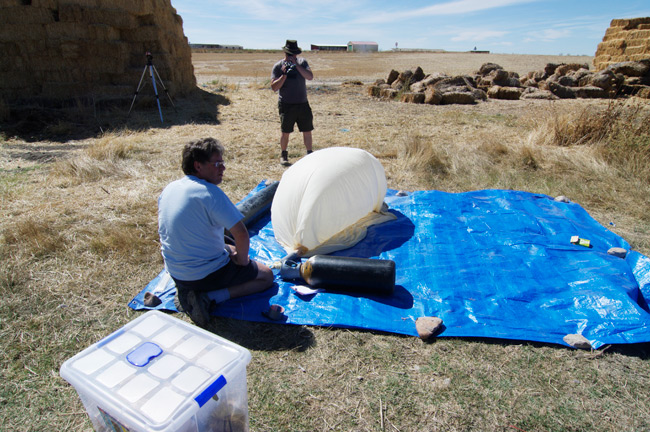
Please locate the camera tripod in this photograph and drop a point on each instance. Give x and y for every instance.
(152, 70)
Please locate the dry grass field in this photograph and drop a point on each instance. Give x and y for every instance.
(78, 239)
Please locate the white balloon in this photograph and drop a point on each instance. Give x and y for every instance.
(327, 199)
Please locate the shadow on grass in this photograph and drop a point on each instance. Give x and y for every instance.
(81, 119)
(640, 350)
(259, 336)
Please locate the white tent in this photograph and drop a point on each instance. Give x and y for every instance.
(327, 199)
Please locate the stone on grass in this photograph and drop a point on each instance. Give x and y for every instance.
(577, 341)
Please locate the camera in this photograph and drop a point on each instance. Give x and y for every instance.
(289, 67)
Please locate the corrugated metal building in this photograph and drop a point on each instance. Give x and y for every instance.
(363, 46)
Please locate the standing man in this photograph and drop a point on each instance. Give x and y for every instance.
(288, 76)
(192, 214)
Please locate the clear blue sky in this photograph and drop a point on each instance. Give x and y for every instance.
(501, 26)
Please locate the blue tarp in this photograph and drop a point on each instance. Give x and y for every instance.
(489, 263)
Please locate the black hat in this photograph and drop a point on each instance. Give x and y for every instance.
(292, 47)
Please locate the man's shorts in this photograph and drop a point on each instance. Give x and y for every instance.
(290, 114)
(227, 276)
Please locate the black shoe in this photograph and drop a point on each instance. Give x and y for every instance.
(198, 307)
(177, 302)
(195, 304)
(284, 158)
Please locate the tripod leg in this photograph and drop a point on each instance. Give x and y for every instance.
(163, 86)
(153, 80)
(144, 71)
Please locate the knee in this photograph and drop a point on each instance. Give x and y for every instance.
(265, 274)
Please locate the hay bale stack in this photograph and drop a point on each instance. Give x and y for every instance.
(56, 50)
(624, 40)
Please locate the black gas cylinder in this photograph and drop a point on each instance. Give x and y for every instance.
(372, 276)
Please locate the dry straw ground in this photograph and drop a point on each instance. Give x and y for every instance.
(78, 224)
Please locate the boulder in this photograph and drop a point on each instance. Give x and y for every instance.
(388, 93)
(604, 79)
(374, 91)
(412, 97)
(589, 91)
(535, 93)
(507, 93)
(486, 68)
(549, 69)
(432, 97)
(643, 92)
(460, 95)
(563, 69)
(392, 76)
(406, 77)
(631, 68)
(430, 80)
(457, 81)
(561, 91)
(418, 87)
(418, 74)
(540, 75)
(580, 74)
(427, 326)
(567, 81)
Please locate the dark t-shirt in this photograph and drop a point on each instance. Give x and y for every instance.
(294, 89)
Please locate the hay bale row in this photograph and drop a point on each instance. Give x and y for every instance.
(555, 81)
(65, 49)
(624, 40)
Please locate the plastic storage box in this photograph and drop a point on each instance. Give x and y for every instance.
(159, 373)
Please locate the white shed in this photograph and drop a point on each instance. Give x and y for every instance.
(363, 47)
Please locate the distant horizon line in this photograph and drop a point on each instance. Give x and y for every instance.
(224, 47)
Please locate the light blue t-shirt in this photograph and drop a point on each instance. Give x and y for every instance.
(192, 215)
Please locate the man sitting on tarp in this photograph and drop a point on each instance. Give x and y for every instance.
(192, 214)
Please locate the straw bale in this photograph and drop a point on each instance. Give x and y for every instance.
(33, 47)
(26, 15)
(103, 32)
(71, 13)
(48, 4)
(142, 34)
(112, 17)
(13, 79)
(638, 34)
(70, 49)
(634, 50)
(67, 30)
(113, 91)
(8, 49)
(83, 3)
(19, 32)
(63, 90)
(87, 44)
(135, 7)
